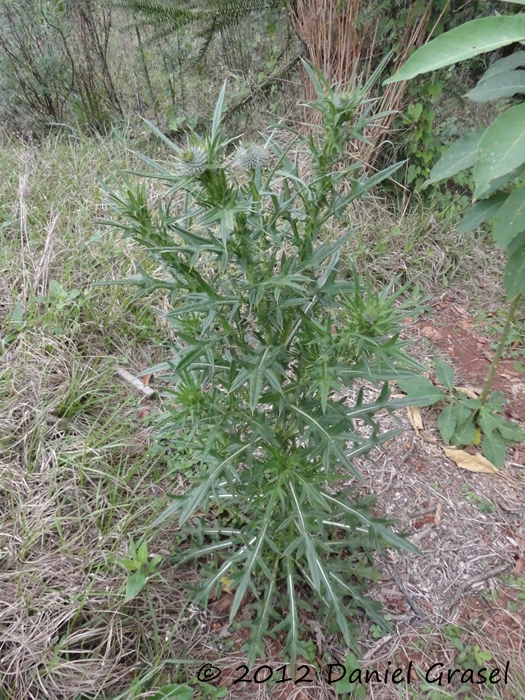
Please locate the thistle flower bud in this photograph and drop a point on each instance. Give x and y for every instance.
(193, 162)
(341, 101)
(249, 158)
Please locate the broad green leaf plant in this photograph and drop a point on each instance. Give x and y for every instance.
(466, 420)
(495, 154)
(271, 342)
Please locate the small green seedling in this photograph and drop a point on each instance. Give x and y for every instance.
(139, 568)
(483, 504)
(210, 692)
(347, 687)
(17, 325)
(174, 691)
(60, 297)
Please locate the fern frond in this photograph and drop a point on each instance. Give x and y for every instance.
(208, 17)
(372, 12)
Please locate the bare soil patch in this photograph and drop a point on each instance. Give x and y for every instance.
(453, 331)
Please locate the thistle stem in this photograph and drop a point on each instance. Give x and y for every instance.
(499, 352)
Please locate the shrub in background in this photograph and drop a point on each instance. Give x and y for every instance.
(497, 158)
(54, 63)
(35, 75)
(270, 341)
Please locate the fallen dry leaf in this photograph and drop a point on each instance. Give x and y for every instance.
(474, 463)
(460, 310)
(320, 639)
(426, 520)
(227, 681)
(470, 391)
(224, 632)
(512, 372)
(519, 456)
(225, 603)
(520, 565)
(431, 333)
(414, 415)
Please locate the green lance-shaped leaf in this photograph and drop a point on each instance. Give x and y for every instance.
(188, 504)
(134, 585)
(447, 423)
(504, 65)
(494, 448)
(293, 638)
(256, 382)
(336, 606)
(262, 620)
(445, 374)
(500, 85)
(489, 421)
(255, 553)
(460, 156)
(514, 279)
(465, 433)
(511, 431)
(372, 526)
(365, 603)
(482, 212)
(466, 41)
(501, 148)
(311, 554)
(325, 385)
(422, 389)
(510, 219)
(217, 114)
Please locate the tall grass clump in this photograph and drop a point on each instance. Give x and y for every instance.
(271, 344)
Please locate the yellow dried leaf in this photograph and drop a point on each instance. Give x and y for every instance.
(414, 415)
(474, 463)
(226, 583)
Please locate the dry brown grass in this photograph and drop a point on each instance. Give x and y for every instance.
(340, 44)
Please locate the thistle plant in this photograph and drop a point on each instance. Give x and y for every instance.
(271, 343)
